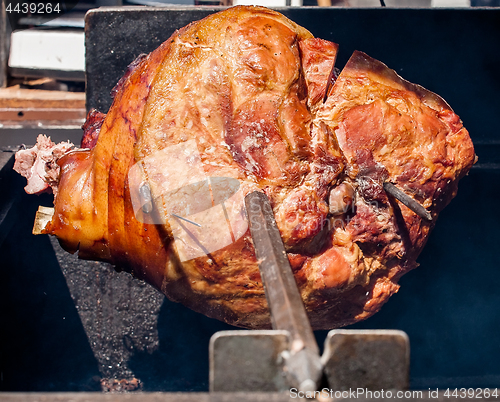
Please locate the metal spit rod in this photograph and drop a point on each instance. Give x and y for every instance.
(303, 365)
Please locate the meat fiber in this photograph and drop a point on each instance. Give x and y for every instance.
(247, 100)
(39, 164)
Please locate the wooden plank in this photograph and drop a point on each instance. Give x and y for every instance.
(16, 97)
(46, 114)
(38, 108)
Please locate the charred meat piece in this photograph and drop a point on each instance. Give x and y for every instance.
(247, 100)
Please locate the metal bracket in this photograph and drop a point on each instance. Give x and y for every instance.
(248, 361)
(371, 359)
(253, 361)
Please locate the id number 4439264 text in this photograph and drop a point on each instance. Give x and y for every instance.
(33, 8)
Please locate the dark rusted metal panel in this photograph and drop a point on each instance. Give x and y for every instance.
(449, 51)
(114, 37)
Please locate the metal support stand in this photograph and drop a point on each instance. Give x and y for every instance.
(254, 360)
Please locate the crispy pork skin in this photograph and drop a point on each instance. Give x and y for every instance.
(247, 100)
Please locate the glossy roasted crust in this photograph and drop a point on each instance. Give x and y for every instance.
(248, 86)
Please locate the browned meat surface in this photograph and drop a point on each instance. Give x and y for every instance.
(236, 103)
(91, 129)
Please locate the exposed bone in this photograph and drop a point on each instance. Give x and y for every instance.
(43, 216)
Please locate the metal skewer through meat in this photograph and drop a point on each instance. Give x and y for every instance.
(408, 201)
(285, 304)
